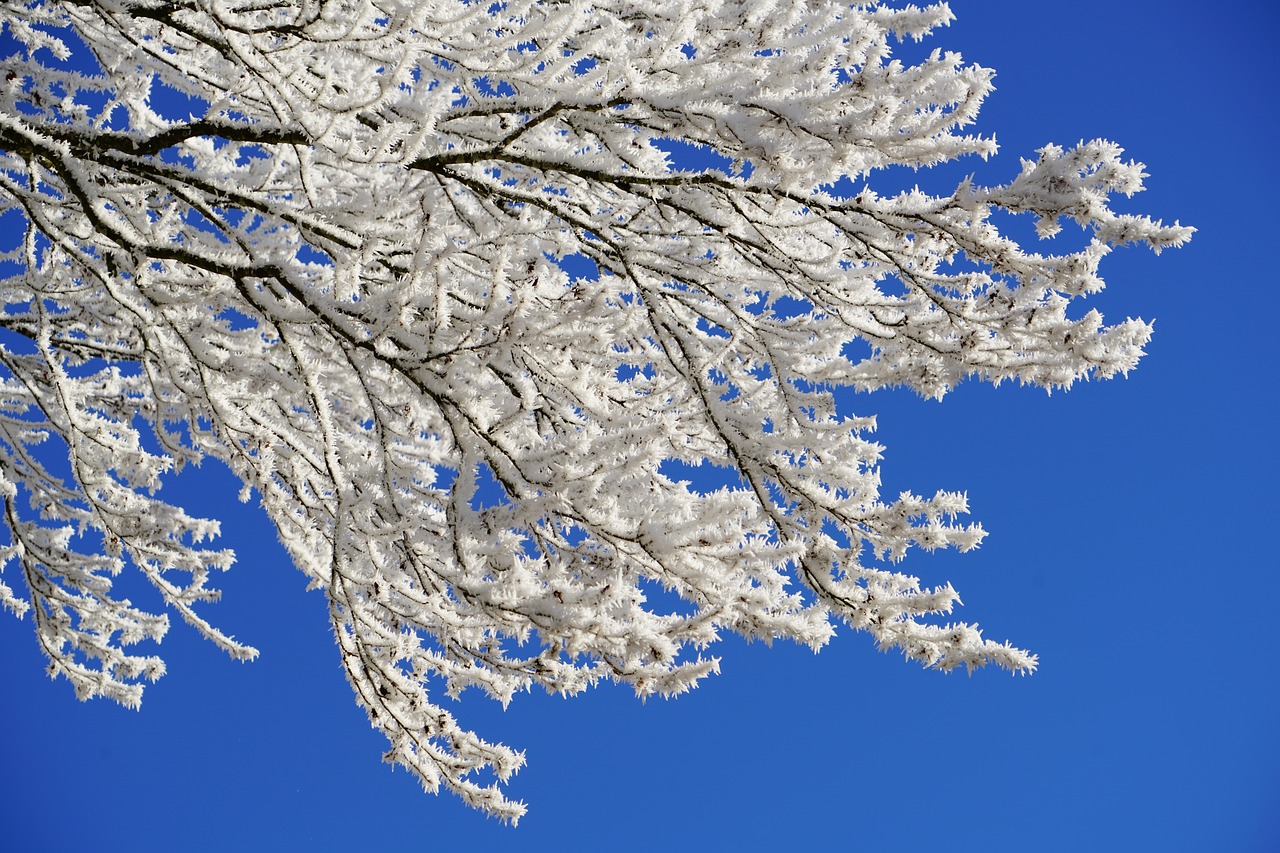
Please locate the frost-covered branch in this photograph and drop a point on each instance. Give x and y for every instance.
(326, 242)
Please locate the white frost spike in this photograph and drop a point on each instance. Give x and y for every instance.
(429, 279)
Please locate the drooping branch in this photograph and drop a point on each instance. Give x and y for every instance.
(338, 264)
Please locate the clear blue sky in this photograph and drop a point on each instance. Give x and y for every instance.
(1129, 546)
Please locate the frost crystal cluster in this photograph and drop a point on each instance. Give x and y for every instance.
(328, 243)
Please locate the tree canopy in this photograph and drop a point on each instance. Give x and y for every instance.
(462, 291)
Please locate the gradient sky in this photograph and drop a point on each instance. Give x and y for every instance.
(1129, 546)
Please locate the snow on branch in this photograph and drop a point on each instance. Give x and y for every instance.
(326, 242)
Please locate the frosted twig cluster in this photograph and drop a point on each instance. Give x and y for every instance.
(325, 242)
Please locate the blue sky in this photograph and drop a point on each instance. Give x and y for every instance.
(1129, 547)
